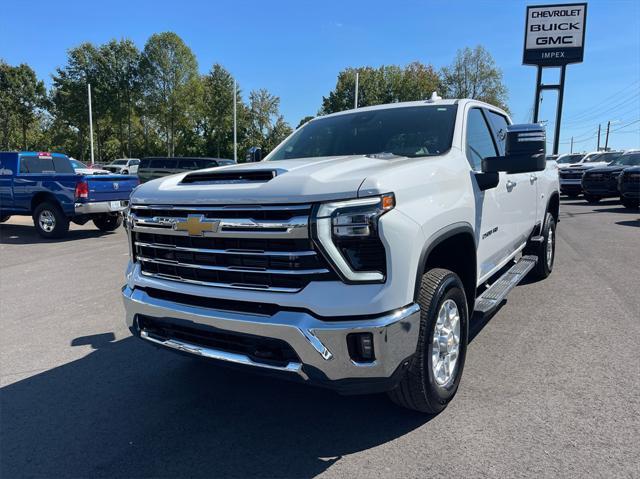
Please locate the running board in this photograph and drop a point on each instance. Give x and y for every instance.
(495, 294)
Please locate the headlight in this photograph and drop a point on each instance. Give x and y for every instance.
(347, 233)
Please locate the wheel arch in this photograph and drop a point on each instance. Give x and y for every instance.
(452, 248)
(41, 197)
(553, 206)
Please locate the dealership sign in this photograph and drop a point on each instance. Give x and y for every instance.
(554, 34)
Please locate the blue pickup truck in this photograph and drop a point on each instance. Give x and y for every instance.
(46, 187)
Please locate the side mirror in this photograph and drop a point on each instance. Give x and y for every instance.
(525, 151)
(254, 154)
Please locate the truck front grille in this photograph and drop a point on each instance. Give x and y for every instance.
(249, 247)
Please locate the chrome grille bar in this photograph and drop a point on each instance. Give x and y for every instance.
(233, 269)
(286, 254)
(275, 289)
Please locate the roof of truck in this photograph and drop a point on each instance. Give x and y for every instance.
(404, 104)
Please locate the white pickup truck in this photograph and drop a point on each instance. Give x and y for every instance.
(354, 255)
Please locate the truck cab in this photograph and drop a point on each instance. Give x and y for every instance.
(354, 254)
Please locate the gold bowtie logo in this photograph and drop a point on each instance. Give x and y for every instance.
(197, 225)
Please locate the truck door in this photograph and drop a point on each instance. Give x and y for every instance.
(523, 197)
(7, 171)
(492, 229)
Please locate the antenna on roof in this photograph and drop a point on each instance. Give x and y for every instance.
(434, 97)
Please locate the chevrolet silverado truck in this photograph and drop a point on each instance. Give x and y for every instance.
(571, 174)
(354, 254)
(629, 187)
(598, 183)
(46, 187)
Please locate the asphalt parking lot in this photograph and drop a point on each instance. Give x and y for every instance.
(551, 385)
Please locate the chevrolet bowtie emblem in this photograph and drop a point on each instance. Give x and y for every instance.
(197, 225)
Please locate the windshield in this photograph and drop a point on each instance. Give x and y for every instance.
(601, 157)
(630, 159)
(77, 164)
(404, 131)
(569, 158)
(119, 162)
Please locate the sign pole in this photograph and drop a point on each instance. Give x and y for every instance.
(536, 106)
(556, 136)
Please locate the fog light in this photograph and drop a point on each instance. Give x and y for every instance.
(360, 347)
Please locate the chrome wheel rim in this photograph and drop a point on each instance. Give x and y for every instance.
(550, 248)
(446, 343)
(47, 221)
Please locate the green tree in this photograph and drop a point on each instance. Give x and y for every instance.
(386, 84)
(22, 99)
(305, 120)
(474, 74)
(266, 126)
(170, 81)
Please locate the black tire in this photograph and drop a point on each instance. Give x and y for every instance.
(544, 266)
(108, 222)
(630, 203)
(592, 199)
(50, 221)
(124, 172)
(418, 389)
(4, 218)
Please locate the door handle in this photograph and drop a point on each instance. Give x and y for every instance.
(533, 179)
(511, 185)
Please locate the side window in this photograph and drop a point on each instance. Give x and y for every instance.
(499, 124)
(187, 164)
(62, 165)
(479, 141)
(134, 162)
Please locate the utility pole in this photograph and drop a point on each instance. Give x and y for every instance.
(606, 138)
(355, 105)
(571, 145)
(235, 121)
(90, 122)
(598, 148)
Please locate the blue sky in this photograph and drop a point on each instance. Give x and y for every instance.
(295, 49)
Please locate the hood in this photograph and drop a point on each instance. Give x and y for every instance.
(293, 181)
(607, 169)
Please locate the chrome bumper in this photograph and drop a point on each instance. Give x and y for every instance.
(100, 207)
(320, 345)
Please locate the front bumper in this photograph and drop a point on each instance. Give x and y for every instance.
(321, 346)
(100, 207)
(606, 187)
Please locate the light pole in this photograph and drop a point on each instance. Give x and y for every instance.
(90, 122)
(235, 121)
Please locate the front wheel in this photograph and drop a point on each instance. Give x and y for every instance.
(434, 373)
(108, 222)
(50, 221)
(124, 172)
(592, 199)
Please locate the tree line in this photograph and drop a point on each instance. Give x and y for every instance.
(154, 101)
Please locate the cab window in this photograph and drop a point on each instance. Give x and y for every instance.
(478, 137)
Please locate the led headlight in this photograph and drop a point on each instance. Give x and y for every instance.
(348, 235)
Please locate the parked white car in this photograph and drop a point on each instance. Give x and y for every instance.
(83, 169)
(124, 166)
(353, 256)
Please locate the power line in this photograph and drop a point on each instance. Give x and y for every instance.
(595, 114)
(604, 101)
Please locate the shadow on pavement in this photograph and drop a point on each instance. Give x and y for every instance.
(129, 410)
(635, 223)
(24, 234)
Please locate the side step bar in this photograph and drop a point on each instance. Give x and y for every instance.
(495, 294)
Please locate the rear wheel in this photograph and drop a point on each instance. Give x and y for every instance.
(433, 376)
(50, 221)
(592, 198)
(545, 251)
(108, 222)
(630, 203)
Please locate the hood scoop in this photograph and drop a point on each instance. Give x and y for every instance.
(229, 177)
